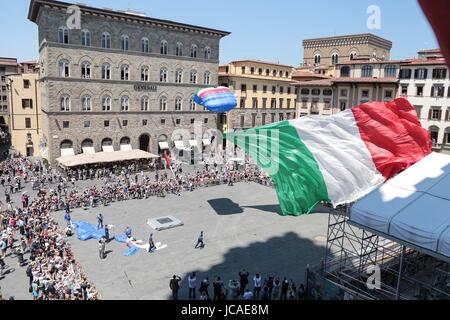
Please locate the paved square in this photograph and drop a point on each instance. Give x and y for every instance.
(243, 230)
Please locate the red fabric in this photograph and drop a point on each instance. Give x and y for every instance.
(437, 12)
(166, 157)
(393, 135)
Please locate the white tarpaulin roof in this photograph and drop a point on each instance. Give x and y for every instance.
(104, 157)
(193, 143)
(88, 150)
(413, 207)
(126, 147)
(164, 145)
(67, 152)
(108, 148)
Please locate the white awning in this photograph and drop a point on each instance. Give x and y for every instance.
(193, 143)
(88, 150)
(164, 146)
(108, 148)
(125, 147)
(411, 208)
(206, 142)
(180, 145)
(67, 152)
(104, 157)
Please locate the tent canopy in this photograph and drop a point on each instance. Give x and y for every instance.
(104, 157)
(412, 208)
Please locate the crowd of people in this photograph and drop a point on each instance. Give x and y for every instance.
(51, 268)
(246, 288)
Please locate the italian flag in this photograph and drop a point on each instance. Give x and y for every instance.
(336, 159)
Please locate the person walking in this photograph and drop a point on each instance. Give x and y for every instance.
(152, 246)
(256, 286)
(107, 237)
(200, 243)
(243, 280)
(68, 218)
(175, 286)
(192, 283)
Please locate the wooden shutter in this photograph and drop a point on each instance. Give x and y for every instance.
(430, 113)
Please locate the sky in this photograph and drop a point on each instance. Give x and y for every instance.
(270, 30)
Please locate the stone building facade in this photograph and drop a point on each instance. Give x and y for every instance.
(264, 91)
(324, 53)
(123, 78)
(26, 115)
(8, 66)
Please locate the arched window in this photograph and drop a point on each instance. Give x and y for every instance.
(66, 144)
(106, 71)
(193, 77)
(125, 103)
(145, 73)
(191, 104)
(145, 45)
(207, 77)
(106, 40)
(64, 68)
(274, 73)
(179, 76)
(163, 104)
(124, 42)
(366, 71)
(335, 59)
(65, 103)
(107, 142)
(145, 103)
(434, 132)
(345, 71)
(63, 35)
(85, 38)
(208, 53)
(125, 141)
(163, 75)
(390, 71)
(106, 103)
(280, 74)
(179, 51)
(194, 50)
(164, 47)
(86, 70)
(353, 55)
(317, 58)
(86, 103)
(87, 143)
(125, 72)
(178, 104)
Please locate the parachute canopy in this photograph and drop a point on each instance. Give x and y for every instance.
(220, 99)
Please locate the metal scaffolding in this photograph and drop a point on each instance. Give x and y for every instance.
(354, 255)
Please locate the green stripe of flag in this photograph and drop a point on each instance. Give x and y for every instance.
(298, 180)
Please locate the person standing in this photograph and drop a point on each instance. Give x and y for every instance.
(248, 295)
(101, 248)
(243, 280)
(68, 218)
(107, 238)
(284, 289)
(100, 221)
(276, 289)
(218, 288)
(192, 283)
(256, 286)
(175, 286)
(204, 288)
(200, 242)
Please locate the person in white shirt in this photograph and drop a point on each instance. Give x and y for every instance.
(256, 286)
(192, 282)
(248, 295)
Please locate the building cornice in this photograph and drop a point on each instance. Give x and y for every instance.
(128, 52)
(36, 5)
(125, 113)
(349, 40)
(227, 75)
